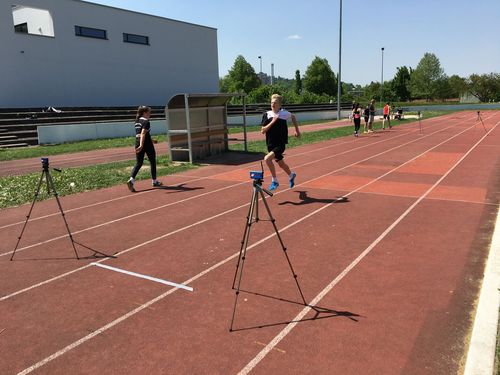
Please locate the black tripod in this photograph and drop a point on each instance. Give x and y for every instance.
(50, 190)
(479, 118)
(421, 129)
(253, 217)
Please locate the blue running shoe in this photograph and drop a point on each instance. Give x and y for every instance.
(274, 185)
(292, 180)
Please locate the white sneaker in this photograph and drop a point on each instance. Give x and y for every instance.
(130, 186)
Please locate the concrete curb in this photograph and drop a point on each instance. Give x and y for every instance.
(481, 355)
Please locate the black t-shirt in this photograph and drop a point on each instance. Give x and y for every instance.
(143, 123)
(278, 134)
(372, 110)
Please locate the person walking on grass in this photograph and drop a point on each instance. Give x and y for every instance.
(143, 146)
(356, 115)
(366, 115)
(371, 119)
(274, 126)
(387, 116)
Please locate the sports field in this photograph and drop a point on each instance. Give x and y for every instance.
(391, 274)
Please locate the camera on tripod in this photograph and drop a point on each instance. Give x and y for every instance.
(257, 175)
(45, 163)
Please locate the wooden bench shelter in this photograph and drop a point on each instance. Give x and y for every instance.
(197, 125)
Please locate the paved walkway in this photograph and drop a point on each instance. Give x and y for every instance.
(78, 159)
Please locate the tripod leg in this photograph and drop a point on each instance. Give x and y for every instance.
(243, 252)
(273, 221)
(54, 191)
(484, 127)
(29, 214)
(246, 235)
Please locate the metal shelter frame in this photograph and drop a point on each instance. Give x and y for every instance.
(197, 125)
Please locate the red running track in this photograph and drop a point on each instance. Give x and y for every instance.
(394, 272)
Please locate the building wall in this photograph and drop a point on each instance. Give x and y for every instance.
(69, 70)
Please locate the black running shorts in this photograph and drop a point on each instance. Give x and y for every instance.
(278, 151)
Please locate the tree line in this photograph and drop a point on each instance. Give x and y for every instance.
(427, 81)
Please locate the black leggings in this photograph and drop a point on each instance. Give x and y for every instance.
(357, 124)
(139, 157)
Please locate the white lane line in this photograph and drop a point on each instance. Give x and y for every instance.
(410, 129)
(198, 196)
(162, 296)
(203, 221)
(227, 187)
(481, 354)
(280, 336)
(141, 276)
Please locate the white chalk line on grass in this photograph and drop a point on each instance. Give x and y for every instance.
(280, 336)
(142, 276)
(194, 224)
(208, 270)
(410, 129)
(199, 196)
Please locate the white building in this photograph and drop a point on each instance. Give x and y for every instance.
(76, 53)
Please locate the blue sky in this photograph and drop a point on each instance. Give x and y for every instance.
(463, 34)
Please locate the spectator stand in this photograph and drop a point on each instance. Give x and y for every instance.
(197, 125)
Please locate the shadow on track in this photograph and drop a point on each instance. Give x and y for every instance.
(305, 199)
(320, 313)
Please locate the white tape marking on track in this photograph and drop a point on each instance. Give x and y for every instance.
(141, 276)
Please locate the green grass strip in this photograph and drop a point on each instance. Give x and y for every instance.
(16, 190)
(68, 148)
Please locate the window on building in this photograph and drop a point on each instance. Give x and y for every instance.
(33, 21)
(138, 39)
(21, 28)
(90, 32)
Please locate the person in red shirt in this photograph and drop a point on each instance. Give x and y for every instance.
(387, 116)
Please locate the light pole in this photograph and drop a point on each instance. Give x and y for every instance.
(382, 78)
(339, 89)
(260, 74)
(272, 74)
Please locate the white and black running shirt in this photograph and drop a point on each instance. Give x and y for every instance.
(143, 123)
(278, 134)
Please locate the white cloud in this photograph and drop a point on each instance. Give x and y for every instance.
(294, 37)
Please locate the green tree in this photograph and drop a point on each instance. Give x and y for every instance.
(443, 88)
(298, 83)
(401, 84)
(262, 94)
(371, 91)
(240, 78)
(388, 93)
(458, 85)
(426, 77)
(485, 87)
(319, 78)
